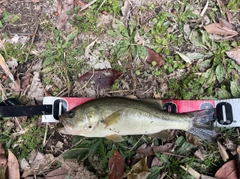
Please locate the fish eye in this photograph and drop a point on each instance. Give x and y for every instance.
(71, 114)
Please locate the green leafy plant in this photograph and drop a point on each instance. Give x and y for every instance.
(5, 131)
(17, 51)
(30, 140)
(8, 17)
(126, 45)
(59, 53)
(97, 151)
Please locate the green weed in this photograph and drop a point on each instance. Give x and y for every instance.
(102, 149)
(61, 57)
(8, 17)
(16, 51)
(30, 140)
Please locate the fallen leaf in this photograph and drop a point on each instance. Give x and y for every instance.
(184, 57)
(13, 166)
(154, 57)
(5, 68)
(15, 85)
(36, 90)
(3, 163)
(63, 10)
(37, 163)
(59, 173)
(199, 154)
(59, 7)
(221, 28)
(238, 160)
(102, 78)
(191, 171)
(139, 39)
(3, 166)
(234, 54)
(225, 23)
(139, 170)
(229, 16)
(2, 151)
(152, 150)
(80, 3)
(222, 151)
(227, 171)
(156, 162)
(125, 9)
(116, 166)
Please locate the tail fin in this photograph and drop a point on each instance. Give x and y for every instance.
(202, 124)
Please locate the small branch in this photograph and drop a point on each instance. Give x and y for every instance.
(87, 5)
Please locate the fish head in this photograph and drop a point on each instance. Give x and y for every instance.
(80, 121)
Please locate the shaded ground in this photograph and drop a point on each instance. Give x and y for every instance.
(159, 49)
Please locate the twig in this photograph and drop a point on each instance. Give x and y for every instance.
(101, 5)
(87, 5)
(137, 142)
(204, 9)
(33, 38)
(16, 119)
(2, 1)
(45, 135)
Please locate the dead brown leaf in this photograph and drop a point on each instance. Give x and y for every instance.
(221, 28)
(154, 57)
(3, 161)
(234, 54)
(5, 68)
(59, 7)
(3, 166)
(227, 171)
(116, 166)
(37, 163)
(2, 152)
(139, 170)
(13, 166)
(238, 160)
(126, 11)
(59, 173)
(225, 23)
(80, 3)
(63, 9)
(102, 78)
(222, 151)
(199, 154)
(152, 150)
(156, 162)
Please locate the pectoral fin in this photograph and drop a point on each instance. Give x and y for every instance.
(113, 118)
(115, 138)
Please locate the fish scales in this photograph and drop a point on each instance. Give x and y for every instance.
(116, 117)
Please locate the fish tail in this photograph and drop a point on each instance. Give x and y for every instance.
(202, 124)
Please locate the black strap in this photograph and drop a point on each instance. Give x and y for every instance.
(15, 111)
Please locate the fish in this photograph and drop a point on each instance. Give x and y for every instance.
(114, 117)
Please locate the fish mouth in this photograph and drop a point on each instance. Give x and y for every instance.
(67, 123)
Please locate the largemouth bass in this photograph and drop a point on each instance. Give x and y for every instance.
(116, 117)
